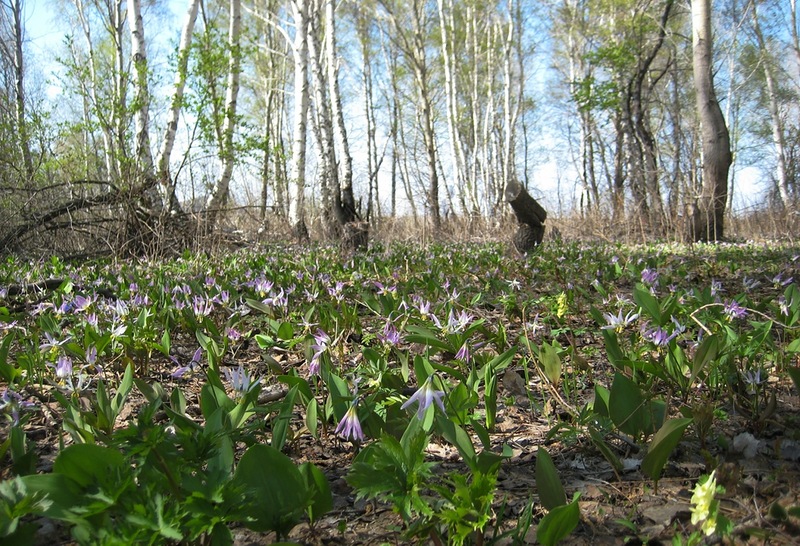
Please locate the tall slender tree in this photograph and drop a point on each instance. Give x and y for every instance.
(708, 218)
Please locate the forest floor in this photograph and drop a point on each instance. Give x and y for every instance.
(756, 461)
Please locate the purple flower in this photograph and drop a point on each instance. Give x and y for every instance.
(240, 381)
(658, 336)
(734, 311)
(390, 335)
(649, 276)
(51, 344)
(321, 345)
(350, 427)
(13, 403)
(202, 307)
(425, 395)
(618, 322)
(183, 370)
(463, 353)
(63, 368)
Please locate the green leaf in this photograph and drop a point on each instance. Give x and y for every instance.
(706, 353)
(551, 363)
(558, 524)
(280, 425)
(601, 395)
(662, 445)
(285, 331)
(648, 303)
(626, 406)
(312, 419)
(123, 389)
(319, 490)
(551, 492)
(794, 373)
(89, 464)
(275, 492)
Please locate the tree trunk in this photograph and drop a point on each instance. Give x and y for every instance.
(530, 215)
(19, 80)
(105, 122)
(346, 201)
(298, 167)
(709, 214)
(778, 139)
(166, 184)
(219, 194)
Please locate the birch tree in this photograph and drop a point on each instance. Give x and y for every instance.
(412, 43)
(300, 15)
(709, 211)
(219, 195)
(141, 111)
(773, 107)
(11, 47)
(166, 183)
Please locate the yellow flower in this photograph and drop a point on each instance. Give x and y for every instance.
(702, 499)
(561, 305)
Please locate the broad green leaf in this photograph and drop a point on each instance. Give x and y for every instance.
(551, 363)
(275, 493)
(662, 445)
(319, 490)
(558, 524)
(648, 303)
(312, 419)
(285, 331)
(87, 464)
(123, 389)
(626, 406)
(601, 395)
(794, 373)
(457, 437)
(490, 396)
(551, 491)
(280, 425)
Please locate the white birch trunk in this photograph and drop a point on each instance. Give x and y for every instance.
(119, 103)
(105, 123)
(143, 153)
(219, 195)
(446, 25)
(340, 131)
(298, 166)
(778, 138)
(166, 184)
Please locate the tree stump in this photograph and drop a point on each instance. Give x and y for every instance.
(530, 215)
(355, 235)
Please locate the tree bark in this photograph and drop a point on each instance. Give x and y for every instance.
(708, 216)
(219, 194)
(778, 139)
(166, 184)
(298, 167)
(19, 87)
